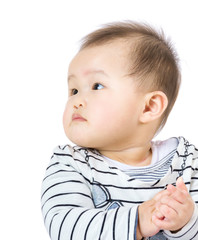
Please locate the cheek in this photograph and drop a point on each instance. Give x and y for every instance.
(66, 115)
(119, 113)
(100, 109)
(106, 115)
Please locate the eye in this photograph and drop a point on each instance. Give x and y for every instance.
(97, 86)
(74, 91)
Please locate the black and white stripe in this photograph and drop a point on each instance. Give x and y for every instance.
(84, 199)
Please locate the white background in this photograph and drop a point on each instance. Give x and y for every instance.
(37, 40)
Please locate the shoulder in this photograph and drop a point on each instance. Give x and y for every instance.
(75, 156)
(186, 148)
(63, 150)
(65, 153)
(185, 160)
(180, 144)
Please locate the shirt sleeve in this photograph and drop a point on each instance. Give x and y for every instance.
(68, 208)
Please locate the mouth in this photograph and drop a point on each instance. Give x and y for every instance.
(78, 117)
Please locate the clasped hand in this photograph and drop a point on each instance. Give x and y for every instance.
(170, 209)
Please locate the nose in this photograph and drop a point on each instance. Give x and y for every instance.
(79, 103)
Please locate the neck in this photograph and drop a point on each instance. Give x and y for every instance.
(135, 156)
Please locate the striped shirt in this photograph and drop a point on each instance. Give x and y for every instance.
(83, 197)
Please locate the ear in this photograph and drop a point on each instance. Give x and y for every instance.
(154, 106)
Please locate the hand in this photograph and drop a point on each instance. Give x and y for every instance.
(174, 209)
(146, 227)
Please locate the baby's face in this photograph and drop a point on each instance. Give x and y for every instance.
(104, 105)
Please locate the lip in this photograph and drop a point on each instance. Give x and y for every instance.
(78, 117)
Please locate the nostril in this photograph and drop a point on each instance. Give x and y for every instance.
(78, 105)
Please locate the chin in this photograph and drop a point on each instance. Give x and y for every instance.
(86, 140)
(82, 142)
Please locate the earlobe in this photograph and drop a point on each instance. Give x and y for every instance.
(154, 106)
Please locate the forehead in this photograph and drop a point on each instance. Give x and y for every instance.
(98, 58)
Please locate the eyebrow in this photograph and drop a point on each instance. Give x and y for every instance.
(70, 76)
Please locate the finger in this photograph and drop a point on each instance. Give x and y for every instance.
(159, 215)
(171, 203)
(164, 224)
(161, 194)
(178, 194)
(181, 185)
(168, 212)
(171, 189)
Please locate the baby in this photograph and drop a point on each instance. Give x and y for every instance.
(116, 182)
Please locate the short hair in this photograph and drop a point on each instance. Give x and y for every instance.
(152, 59)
